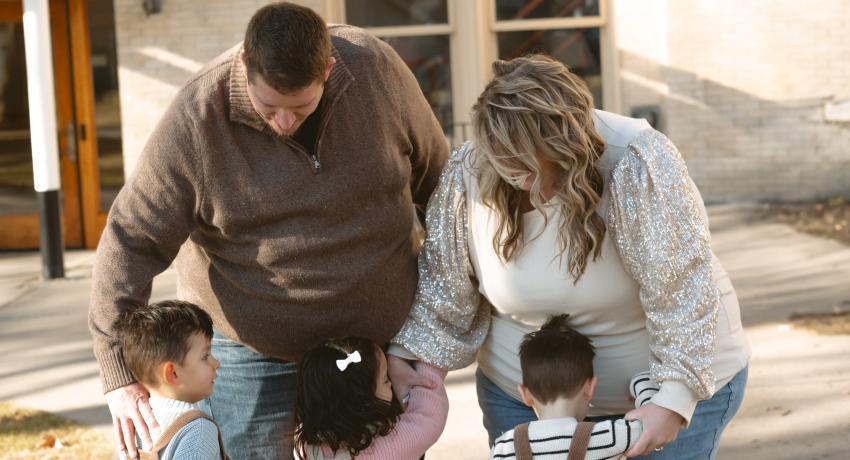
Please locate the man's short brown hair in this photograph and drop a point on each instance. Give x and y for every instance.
(158, 333)
(556, 360)
(288, 45)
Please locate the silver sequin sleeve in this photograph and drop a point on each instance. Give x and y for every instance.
(449, 319)
(656, 220)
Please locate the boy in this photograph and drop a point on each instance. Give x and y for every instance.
(558, 383)
(166, 346)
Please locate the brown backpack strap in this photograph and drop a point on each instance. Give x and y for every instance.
(581, 438)
(521, 445)
(175, 426)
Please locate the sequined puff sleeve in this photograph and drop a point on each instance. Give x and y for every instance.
(656, 220)
(448, 321)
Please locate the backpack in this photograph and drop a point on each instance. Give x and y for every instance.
(172, 430)
(578, 445)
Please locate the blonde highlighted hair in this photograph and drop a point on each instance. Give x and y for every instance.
(533, 109)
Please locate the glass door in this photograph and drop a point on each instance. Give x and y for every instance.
(19, 224)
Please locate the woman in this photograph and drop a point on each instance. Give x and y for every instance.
(559, 208)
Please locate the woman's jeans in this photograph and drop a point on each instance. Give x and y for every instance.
(699, 441)
(252, 402)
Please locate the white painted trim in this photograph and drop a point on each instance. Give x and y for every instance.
(42, 97)
(411, 31)
(548, 24)
(610, 62)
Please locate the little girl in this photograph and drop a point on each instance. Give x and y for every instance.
(345, 407)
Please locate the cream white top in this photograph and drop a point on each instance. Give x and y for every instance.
(604, 304)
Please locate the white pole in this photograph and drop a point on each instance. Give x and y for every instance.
(43, 133)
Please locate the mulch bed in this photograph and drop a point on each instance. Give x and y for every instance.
(827, 218)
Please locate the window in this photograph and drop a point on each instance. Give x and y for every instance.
(419, 31)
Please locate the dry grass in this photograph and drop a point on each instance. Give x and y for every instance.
(32, 435)
(829, 218)
(837, 323)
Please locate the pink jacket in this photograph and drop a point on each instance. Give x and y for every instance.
(417, 429)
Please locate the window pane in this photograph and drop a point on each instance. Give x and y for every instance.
(107, 110)
(382, 13)
(428, 59)
(577, 48)
(17, 195)
(507, 10)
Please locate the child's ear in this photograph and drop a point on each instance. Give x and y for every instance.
(525, 394)
(589, 387)
(168, 372)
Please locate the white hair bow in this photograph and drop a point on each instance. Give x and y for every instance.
(342, 364)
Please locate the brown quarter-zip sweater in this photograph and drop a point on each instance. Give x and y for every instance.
(283, 247)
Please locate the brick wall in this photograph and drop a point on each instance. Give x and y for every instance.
(746, 90)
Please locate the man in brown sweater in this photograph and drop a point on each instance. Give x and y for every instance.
(285, 173)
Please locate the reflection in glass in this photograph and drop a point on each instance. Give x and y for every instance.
(577, 48)
(110, 160)
(507, 10)
(382, 13)
(17, 195)
(428, 59)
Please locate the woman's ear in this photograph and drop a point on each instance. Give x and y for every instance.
(589, 387)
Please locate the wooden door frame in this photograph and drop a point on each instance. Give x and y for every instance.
(21, 231)
(94, 219)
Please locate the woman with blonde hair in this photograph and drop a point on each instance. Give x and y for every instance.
(555, 207)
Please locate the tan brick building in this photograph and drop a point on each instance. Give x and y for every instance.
(755, 93)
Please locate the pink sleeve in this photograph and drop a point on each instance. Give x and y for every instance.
(419, 427)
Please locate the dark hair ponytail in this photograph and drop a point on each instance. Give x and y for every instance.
(339, 408)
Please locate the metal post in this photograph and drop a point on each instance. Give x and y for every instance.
(45, 147)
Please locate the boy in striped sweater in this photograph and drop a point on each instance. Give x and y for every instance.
(558, 383)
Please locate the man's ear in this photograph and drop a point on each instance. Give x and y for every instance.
(589, 387)
(525, 394)
(168, 372)
(330, 66)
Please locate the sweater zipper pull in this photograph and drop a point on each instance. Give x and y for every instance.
(317, 165)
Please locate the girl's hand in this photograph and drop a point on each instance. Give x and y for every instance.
(404, 377)
(660, 427)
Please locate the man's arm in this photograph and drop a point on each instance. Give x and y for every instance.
(149, 221)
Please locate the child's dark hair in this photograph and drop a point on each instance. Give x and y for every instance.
(339, 408)
(556, 360)
(153, 334)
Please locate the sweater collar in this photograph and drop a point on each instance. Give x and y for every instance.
(241, 110)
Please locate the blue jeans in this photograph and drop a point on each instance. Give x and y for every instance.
(699, 441)
(252, 401)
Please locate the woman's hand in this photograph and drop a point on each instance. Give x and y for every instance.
(660, 427)
(131, 414)
(404, 377)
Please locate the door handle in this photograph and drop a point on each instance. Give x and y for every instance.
(71, 142)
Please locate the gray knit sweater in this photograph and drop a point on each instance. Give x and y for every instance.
(198, 440)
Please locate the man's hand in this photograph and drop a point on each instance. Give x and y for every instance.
(404, 377)
(131, 413)
(660, 427)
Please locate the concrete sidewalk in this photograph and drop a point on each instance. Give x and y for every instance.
(798, 398)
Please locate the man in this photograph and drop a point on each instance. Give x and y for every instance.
(285, 173)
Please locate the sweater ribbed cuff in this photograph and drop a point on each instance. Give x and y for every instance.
(677, 397)
(113, 373)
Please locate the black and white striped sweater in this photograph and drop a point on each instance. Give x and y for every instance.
(550, 439)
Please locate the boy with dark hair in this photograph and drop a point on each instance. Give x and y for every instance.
(166, 346)
(558, 383)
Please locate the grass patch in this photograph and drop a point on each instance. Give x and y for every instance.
(31, 434)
